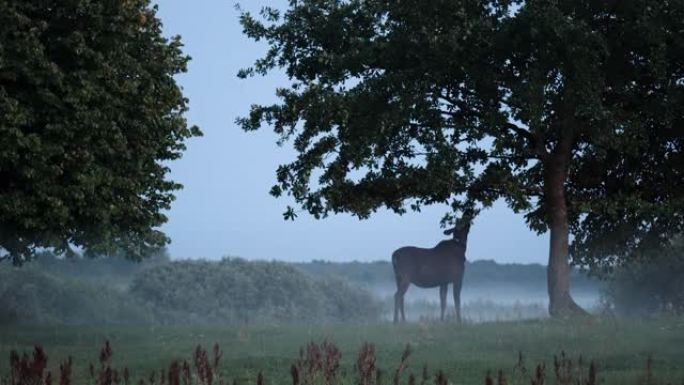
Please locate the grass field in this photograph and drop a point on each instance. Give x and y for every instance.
(465, 353)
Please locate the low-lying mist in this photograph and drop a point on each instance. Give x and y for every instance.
(158, 290)
(491, 291)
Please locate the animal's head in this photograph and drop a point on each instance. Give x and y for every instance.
(460, 234)
(462, 228)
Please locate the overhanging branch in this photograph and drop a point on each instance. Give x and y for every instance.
(531, 191)
(488, 156)
(521, 131)
(535, 141)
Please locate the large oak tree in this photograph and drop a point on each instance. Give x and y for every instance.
(90, 115)
(568, 110)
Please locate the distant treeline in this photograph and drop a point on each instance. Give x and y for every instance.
(483, 273)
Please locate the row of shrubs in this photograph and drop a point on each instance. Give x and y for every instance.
(229, 291)
(244, 291)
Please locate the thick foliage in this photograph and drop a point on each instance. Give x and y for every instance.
(649, 286)
(90, 114)
(546, 104)
(235, 290)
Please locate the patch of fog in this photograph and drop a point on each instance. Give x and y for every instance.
(502, 303)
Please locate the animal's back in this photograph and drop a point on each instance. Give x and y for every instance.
(425, 267)
(406, 255)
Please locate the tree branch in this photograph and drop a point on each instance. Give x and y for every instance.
(504, 157)
(535, 141)
(529, 191)
(520, 131)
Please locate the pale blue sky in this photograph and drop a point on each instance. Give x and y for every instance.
(225, 208)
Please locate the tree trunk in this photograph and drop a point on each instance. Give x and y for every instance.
(561, 303)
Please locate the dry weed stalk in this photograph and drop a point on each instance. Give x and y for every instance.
(441, 379)
(539, 375)
(31, 370)
(403, 364)
(365, 364)
(260, 379)
(519, 367)
(205, 374)
(218, 353)
(500, 379)
(294, 372)
(332, 362)
(317, 362)
(424, 376)
(175, 373)
(591, 379)
(488, 378)
(563, 369)
(27, 370)
(187, 376)
(65, 372)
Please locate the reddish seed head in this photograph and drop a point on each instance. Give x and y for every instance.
(365, 363)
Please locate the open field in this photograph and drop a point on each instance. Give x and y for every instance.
(620, 348)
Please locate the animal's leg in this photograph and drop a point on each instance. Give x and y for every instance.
(396, 303)
(443, 299)
(402, 287)
(457, 297)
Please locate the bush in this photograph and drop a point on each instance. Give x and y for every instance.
(235, 290)
(649, 287)
(31, 296)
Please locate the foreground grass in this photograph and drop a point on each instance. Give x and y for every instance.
(465, 353)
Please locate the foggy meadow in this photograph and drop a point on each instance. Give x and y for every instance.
(260, 313)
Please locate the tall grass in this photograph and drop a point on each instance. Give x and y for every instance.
(318, 364)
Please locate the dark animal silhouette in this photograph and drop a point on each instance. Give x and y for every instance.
(438, 266)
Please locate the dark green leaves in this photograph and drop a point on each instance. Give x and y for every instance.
(406, 103)
(89, 115)
(378, 111)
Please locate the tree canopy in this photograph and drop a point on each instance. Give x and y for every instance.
(90, 115)
(570, 111)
